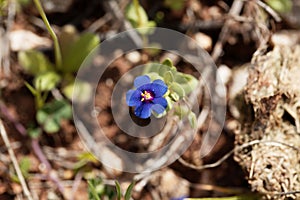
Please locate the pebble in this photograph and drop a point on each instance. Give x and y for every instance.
(21, 40)
(133, 57)
(204, 41)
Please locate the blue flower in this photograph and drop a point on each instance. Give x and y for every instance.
(147, 96)
(180, 198)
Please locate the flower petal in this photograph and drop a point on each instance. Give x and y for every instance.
(161, 82)
(143, 111)
(133, 98)
(141, 80)
(160, 101)
(158, 89)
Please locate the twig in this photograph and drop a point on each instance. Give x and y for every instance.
(6, 47)
(236, 149)
(269, 10)
(201, 25)
(38, 152)
(41, 156)
(76, 184)
(226, 190)
(8, 115)
(15, 162)
(234, 10)
(99, 23)
(283, 193)
(113, 7)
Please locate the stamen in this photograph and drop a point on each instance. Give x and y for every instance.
(146, 96)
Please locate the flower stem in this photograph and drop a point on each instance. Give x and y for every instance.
(57, 52)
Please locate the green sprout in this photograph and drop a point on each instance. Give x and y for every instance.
(98, 190)
(138, 18)
(70, 50)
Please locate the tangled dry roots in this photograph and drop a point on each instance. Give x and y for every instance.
(273, 91)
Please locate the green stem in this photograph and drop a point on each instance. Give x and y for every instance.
(137, 10)
(39, 100)
(57, 52)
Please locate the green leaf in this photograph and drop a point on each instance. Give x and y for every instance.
(175, 4)
(168, 62)
(34, 132)
(182, 110)
(93, 194)
(148, 29)
(151, 24)
(129, 190)
(78, 51)
(152, 67)
(25, 164)
(170, 103)
(186, 81)
(24, 2)
(83, 91)
(168, 77)
(34, 62)
(118, 188)
(88, 156)
(178, 89)
(282, 6)
(154, 76)
(138, 18)
(46, 81)
(67, 37)
(51, 126)
(174, 96)
(169, 66)
(159, 68)
(51, 114)
(192, 119)
(159, 115)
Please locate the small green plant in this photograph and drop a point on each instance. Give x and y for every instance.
(98, 190)
(3, 7)
(138, 18)
(128, 192)
(47, 76)
(24, 166)
(84, 159)
(51, 114)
